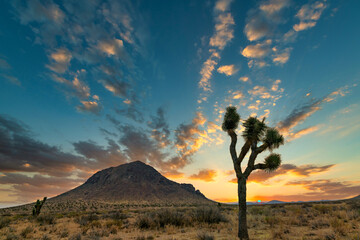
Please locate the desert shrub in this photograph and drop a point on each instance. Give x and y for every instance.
(320, 222)
(322, 208)
(117, 215)
(161, 218)
(25, 232)
(46, 219)
(144, 221)
(111, 223)
(339, 226)
(45, 237)
(204, 236)
(4, 222)
(145, 238)
(208, 215)
(86, 219)
(11, 236)
(76, 236)
(271, 220)
(64, 234)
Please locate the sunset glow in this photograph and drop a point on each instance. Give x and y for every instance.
(87, 85)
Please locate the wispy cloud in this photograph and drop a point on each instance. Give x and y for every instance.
(302, 171)
(223, 34)
(300, 114)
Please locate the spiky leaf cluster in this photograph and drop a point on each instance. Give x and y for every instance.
(272, 162)
(254, 129)
(231, 119)
(273, 138)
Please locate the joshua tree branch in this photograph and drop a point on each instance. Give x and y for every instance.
(251, 162)
(260, 166)
(244, 150)
(262, 148)
(233, 153)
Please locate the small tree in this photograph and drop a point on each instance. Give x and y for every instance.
(38, 206)
(255, 133)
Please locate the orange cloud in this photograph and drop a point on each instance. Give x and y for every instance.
(228, 70)
(206, 175)
(318, 190)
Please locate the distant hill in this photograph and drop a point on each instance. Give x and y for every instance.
(133, 182)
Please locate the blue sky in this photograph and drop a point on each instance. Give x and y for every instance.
(94, 84)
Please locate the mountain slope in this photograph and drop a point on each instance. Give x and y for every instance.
(133, 182)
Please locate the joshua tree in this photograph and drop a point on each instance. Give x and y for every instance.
(38, 206)
(255, 132)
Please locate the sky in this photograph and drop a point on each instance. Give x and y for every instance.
(86, 85)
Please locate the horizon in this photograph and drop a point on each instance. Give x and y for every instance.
(95, 84)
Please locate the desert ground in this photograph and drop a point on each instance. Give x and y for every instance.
(98, 220)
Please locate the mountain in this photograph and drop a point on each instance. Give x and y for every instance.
(133, 182)
(355, 198)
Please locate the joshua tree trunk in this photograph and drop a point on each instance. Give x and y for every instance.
(243, 232)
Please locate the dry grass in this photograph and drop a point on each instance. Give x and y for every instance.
(96, 220)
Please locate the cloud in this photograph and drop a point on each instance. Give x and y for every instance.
(274, 6)
(261, 176)
(111, 47)
(25, 189)
(259, 50)
(38, 11)
(237, 95)
(244, 79)
(4, 65)
(303, 26)
(223, 34)
(222, 5)
(302, 132)
(206, 175)
(117, 87)
(318, 190)
(12, 79)
(224, 31)
(207, 69)
(131, 112)
(60, 60)
(160, 128)
(73, 44)
(308, 15)
(228, 70)
(257, 27)
(90, 106)
(300, 114)
(75, 87)
(281, 57)
(101, 157)
(261, 22)
(21, 152)
(260, 91)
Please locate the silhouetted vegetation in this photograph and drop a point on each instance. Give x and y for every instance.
(255, 132)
